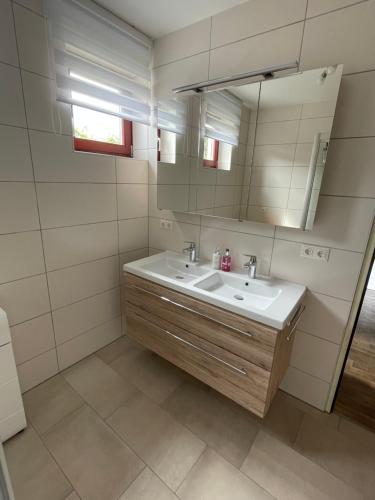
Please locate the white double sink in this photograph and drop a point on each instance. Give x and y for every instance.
(270, 301)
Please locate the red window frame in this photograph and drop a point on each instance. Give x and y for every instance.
(124, 149)
(213, 163)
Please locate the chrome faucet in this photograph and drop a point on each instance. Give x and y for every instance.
(191, 250)
(251, 266)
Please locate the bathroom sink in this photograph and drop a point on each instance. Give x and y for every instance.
(175, 267)
(255, 293)
(267, 300)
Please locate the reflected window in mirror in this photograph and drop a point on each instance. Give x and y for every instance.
(172, 129)
(217, 154)
(167, 146)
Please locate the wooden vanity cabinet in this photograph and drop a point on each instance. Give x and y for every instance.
(243, 359)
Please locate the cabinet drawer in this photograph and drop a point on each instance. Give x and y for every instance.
(246, 338)
(231, 375)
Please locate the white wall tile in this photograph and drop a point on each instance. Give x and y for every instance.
(55, 161)
(132, 200)
(78, 348)
(18, 201)
(38, 369)
(349, 169)
(306, 387)
(277, 132)
(280, 155)
(75, 283)
(190, 70)
(246, 227)
(74, 319)
(269, 196)
(355, 111)
(251, 18)
(309, 127)
(21, 255)
(67, 204)
(239, 244)
(314, 356)
(349, 46)
(32, 41)
(133, 234)
(271, 176)
(68, 246)
(32, 338)
(340, 222)
(279, 113)
(280, 46)
(24, 299)
(131, 256)
(131, 171)
(15, 159)
(35, 5)
(337, 277)
(12, 111)
(173, 239)
(183, 43)
(324, 316)
(42, 110)
(317, 7)
(8, 46)
(173, 197)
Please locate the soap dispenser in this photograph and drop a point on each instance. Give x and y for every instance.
(226, 261)
(216, 259)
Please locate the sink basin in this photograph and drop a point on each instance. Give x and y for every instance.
(254, 293)
(175, 268)
(267, 300)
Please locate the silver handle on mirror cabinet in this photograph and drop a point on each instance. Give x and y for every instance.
(165, 299)
(193, 346)
(296, 319)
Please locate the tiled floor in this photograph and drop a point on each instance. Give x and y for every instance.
(124, 424)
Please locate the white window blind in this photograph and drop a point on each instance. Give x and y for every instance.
(101, 62)
(222, 116)
(172, 115)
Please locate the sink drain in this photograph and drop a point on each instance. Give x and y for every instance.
(238, 297)
(178, 277)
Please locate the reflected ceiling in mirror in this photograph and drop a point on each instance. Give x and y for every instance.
(250, 152)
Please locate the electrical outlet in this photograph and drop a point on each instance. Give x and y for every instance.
(322, 254)
(167, 225)
(307, 251)
(317, 253)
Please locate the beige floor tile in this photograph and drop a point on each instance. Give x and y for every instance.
(329, 419)
(103, 388)
(148, 486)
(95, 460)
(153, 375)
(73, 496)
(119, 347)
(221, 423)
(356, 431)
(167, 447)
(347, 458)
(288, 475)
(213, 478)
(50, 402)
(34, 473)
(283, 419)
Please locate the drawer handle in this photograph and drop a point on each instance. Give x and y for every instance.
(247, 334)
(296, 318)
(186, 342)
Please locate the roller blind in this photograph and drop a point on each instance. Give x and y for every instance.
(101, 63)
(222, 116)
(172, 115)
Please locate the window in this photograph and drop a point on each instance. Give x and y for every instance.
(210, 152)
(97, 132)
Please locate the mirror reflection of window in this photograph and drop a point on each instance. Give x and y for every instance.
(172, 129)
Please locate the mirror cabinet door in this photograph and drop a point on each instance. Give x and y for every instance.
(251, 152)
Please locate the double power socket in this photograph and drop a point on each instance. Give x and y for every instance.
(317, 253)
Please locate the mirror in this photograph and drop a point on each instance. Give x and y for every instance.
(251, 152)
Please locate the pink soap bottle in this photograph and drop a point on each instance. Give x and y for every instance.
(226, 261)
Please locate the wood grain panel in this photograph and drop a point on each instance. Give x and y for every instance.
(258, 349)
(249, 390)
